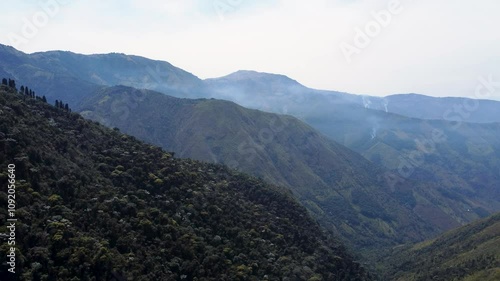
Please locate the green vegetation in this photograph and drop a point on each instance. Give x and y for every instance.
(11, 83)
(94, 204)
(344, 191)
(446, 181)
(448, 171)
(455, 184)
(468, 253)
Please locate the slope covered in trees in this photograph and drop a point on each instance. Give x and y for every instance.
(71, 77)
(469, 253)
(459, 170)
(456, 161)
(95, 204)
(342, 189)
(276, 93)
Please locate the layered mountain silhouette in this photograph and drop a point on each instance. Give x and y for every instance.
(432, 166)
(95, 204)
(455, 159)
(70, 76)
(341, 188)
(269, 92)
(467, 253)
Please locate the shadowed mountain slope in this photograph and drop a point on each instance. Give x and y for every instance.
(446, 173)
(344, 190)
(468, 253)
(94, 203)
(69, 76)
(456, 160)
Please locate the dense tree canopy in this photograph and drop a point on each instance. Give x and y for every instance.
(94, 204)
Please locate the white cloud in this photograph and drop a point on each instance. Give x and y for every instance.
(436, 48)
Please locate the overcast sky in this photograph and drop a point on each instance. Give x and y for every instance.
(375, 47)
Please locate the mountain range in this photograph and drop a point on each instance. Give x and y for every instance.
(276, 93)
(95, 204)
(349, 193)
(377, 171)
(471, 253)
(342, 189)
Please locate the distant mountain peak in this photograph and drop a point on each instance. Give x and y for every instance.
(10, 50)
(254, 75)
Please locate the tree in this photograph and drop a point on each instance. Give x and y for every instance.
(26, 91)
(12, 83)
(21, 90)
(66, 107)
(4, 82)
(57, 103)
(44, 99)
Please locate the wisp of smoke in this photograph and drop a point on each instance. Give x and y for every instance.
(366, 102)
(386, 103)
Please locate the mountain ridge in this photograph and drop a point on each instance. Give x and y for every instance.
(92, 202)
(278, 148)
(459, 175)
(467, 253)
(164, 77)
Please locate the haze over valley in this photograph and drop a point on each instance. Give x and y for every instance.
(216, 148)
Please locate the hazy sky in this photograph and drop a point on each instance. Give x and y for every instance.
(375, 47)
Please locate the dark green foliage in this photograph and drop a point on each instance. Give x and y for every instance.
(12, 84)
(24, 90)
(463, 160)
(468, 253)
(94, 204)
(368, 207)
(280, 149)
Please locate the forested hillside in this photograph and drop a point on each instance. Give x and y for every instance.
(343, 190)
(469, 253)
(447, 172)
(453, 164)
(94, 204)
